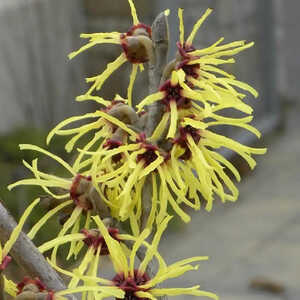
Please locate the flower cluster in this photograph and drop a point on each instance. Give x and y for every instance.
(127, 175)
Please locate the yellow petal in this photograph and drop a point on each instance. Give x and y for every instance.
(46, 217)
(131, 82)
(181, 26)
(117, 122)
(111, 67)
(196, 27)
(10, 287)
(15, 233)
(55, 157)
(133, 12)
(150, 99)
(174, 118)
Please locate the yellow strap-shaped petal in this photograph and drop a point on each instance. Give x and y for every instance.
(152, 166)
(110, 290)
(151, 217)
(135, 247)
(181, 26)
(16, 232)
(150, 99)
(92, 44)
(184, 291)
(46, 217)
(161, 127)
(153, 249)
(110, 68)
(67, 122)
(131, 82)
(117, 255)
(61, 240)
(174, 118)
(10, 287)
(197, 26)
(97, 99)
(133, 12)
(55, 157)
(118, 123)
(144, 295)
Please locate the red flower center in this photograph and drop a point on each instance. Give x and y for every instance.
(189, 70)
(131, 285)
(149, 155)
(182, 139)
(113, 144)
(174, 93)
(95, 239)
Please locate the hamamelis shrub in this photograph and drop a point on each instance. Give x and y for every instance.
(141, 163)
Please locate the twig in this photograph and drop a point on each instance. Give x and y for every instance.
(27, 255)
(160, 38)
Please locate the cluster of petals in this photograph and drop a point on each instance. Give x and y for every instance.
(130, 281)
(179, 160)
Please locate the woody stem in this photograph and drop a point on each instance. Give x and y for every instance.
(28, 256)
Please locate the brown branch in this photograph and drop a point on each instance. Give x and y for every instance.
(160, 38)
(27, 255)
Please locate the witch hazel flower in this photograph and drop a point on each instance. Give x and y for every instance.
(75, 192)
(202, 66)
(133, 280)
(136, 47)
(195, 147)
(178, 100)
(90, 262)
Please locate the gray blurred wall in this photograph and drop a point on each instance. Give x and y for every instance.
(37, 82)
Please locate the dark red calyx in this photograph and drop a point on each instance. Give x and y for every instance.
(139, 29)
(36, 282)
(182, 139)
(174, 93)
(79, 191)
(189, 70)
(131, 285)
(185, 49)
(95, 239)
(113, 144)
(6, 260)
(133, 48)
(149, 155)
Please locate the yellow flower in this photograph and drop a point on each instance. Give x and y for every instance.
(104, 125)
(137, 49)
(201, 66)
(97, 247)
(194, 149)
(134, 281)
(180, 100)
(77, 192)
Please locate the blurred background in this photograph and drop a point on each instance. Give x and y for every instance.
(254, 244)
